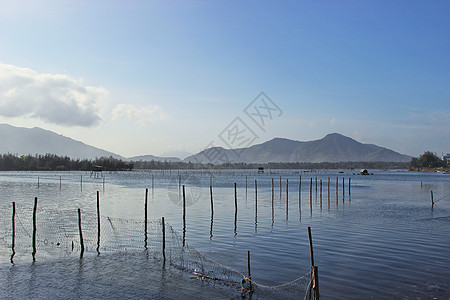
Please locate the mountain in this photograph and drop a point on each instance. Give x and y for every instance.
(334, 147)
(152, 157)
(23, 141)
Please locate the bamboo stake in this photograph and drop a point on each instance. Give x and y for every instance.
(81, 233)
(34, 228)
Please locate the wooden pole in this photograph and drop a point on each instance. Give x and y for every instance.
(235, 198)
(287, 197)
(34, 228)
(328, 188)
(256, 198)
(98, 222)
(315, 275)
(81, 233)
(337, 187)
(163, 239)
(349, 180)
(311, 252)
(145, 218)
(432, 199)
(212, 204)
(249, 272)
(13, 244)
(314, 269)
(343, 188)
(300, 193)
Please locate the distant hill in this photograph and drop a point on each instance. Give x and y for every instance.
(332, 148)
(155, 158)
(23, 141)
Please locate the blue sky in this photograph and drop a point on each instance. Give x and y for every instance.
(150, 77)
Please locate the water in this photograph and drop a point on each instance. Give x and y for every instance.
(382, 241)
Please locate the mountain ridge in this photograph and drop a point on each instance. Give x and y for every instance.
(334, 147)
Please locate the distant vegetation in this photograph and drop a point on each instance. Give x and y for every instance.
(427, 161)
(51, 162)
(158, 165)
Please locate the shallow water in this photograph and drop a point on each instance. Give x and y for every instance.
(381, 241)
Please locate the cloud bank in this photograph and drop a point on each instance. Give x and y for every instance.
(53, 98)
(142, 116)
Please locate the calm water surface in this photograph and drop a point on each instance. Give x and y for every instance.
(380, 241)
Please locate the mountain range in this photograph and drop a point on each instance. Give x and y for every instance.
(332, 148)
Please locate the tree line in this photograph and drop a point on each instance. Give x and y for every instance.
(428, 160)
(165, 165)
(52, 162)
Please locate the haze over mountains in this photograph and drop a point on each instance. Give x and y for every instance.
(332, 148)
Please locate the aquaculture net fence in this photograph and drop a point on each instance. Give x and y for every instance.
(57, 235)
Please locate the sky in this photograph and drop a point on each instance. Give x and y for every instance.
(160, 77)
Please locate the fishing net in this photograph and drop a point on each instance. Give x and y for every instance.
(58, 235)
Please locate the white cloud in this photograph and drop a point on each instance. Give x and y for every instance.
(142, 116)
(52, 98)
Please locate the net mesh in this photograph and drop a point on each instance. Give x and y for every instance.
(57, 235)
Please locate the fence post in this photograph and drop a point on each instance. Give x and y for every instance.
(81, 233)
(13, 231)
(34, 228)
(163, 239)
(98, 222)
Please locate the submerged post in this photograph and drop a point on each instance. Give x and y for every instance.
(432, 199)
(81, 233)
(34, 228)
